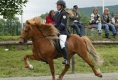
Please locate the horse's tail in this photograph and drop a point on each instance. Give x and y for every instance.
(92, 51)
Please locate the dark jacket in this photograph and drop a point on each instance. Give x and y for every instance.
(104, 19)
(61, 21)
(75, 17)
(49, 19)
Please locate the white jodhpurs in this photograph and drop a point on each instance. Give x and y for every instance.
(62, 40)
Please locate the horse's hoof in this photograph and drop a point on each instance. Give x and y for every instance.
(31, 67)
(59, 79)
(100, 76)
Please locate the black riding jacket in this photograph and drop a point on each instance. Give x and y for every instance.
(61, 21)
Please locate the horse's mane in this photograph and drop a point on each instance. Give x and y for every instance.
(70, 13)
(48, 30)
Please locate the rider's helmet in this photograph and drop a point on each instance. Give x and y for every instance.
(61, 2)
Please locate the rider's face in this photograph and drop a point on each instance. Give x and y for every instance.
(58, 7)
(75, 9)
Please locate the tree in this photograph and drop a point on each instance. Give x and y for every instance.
(11, 26)
(2, 27)
(85, 19)
(8, 8)
(43, 16)
(112, 14)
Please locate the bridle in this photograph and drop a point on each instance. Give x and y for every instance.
(25, 38)
(27, 33)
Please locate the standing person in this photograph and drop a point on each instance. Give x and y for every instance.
(95, 20)
(106, 21)
(74, 22)
(60, 24)
(50, 17)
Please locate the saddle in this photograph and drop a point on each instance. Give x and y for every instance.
(58, 48)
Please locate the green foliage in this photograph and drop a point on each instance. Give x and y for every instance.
(8, 8)
(43, 16)
(10, 27)
(85, 19)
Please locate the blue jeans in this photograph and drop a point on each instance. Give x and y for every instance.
(98, 26)
(79, 28)
(109, 27)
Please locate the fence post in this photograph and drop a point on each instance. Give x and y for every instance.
(73, 65)
(73, 59)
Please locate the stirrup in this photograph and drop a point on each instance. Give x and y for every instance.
(65, 62)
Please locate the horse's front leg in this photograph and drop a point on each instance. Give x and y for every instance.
(27, 63)
(65, 69)
(63, 73)
(51, 64)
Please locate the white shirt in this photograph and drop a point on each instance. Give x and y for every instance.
(75, 20)
(113, 20)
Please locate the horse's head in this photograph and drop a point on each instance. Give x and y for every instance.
(26, 34)
(28, 29)
(35, 28)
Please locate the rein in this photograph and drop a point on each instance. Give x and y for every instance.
(43, 36)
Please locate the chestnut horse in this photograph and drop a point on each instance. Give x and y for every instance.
(43, 35)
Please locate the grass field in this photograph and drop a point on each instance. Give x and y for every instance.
(12, 64)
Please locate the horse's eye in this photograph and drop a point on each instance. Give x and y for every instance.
(26, 31)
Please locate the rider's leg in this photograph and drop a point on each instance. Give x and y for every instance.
(112, 27)
(64, 50)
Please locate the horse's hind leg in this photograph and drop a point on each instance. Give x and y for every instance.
(85, 57)
(27, 63)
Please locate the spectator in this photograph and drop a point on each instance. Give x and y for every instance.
(115, 20)
(95, 21)
(50, 17)
(106, 21)
(74, 22)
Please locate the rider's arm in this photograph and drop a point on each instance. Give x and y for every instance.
(63, 21)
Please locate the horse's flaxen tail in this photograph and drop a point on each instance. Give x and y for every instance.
(92, 50)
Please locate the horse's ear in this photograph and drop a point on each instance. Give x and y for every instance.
(38, 21)
(30, 21)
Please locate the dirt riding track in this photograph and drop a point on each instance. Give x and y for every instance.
(106, 76)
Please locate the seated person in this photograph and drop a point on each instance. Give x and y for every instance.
(50, 17)
(95, 21)
(106, 21)
(74, 22)
(115, 21)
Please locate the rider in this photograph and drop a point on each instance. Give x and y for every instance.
(60, 24)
